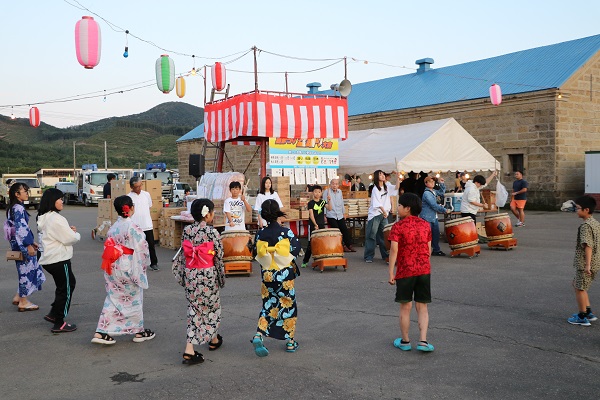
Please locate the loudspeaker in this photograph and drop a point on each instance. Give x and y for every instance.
(196, 165)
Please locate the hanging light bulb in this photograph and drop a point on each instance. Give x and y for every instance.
(12, 115)
(370, 176)
(467, 176)
(126, 53)
(194, 71)
(104, 96)
(437, 175)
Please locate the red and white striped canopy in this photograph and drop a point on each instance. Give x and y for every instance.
(276, 115)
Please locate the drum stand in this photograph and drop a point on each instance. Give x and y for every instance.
(238, 268)
(330, 262)
(471, 251)
(507, 244)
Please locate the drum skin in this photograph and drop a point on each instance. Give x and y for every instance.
(386, 234)
(498, 227)
(235, 246)
(326, 243)
(461, 233)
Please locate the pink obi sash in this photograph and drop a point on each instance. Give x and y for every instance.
(112, 252)
(201, 256)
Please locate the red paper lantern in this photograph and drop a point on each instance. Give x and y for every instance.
(34, 117)
(495, 94)
(218, 76)
(87, 42)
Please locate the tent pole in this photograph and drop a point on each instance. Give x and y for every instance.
(263, 157)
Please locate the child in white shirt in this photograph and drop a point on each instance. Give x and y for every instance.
(234, 208)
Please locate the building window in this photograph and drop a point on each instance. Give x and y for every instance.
(516, 162)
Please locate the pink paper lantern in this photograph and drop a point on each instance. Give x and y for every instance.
(87, 42)
(34, 117)
(218, 76)
(495, 94)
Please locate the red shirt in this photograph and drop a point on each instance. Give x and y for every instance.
(413, 235)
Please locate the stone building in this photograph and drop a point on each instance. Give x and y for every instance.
(546, 122)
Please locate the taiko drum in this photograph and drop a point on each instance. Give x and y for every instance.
(386, 234)
(236, 246)
(498, 227)
(326, 243)
(461, 233)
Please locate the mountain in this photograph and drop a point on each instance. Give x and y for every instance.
(131, 140)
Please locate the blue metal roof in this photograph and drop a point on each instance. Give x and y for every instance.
(196, 133)
(524, 71)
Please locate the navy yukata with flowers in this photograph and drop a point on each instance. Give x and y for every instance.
(279, 311)
(31, 276)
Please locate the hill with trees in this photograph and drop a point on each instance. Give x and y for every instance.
(131, 140)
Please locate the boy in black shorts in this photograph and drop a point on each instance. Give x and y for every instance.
(316, 220)
(410, 251)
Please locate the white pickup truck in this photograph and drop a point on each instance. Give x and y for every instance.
(31, 180)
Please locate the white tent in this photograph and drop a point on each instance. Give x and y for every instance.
(442, 145)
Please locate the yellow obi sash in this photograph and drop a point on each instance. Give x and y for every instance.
(274, 257)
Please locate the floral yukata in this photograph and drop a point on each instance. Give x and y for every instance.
(276, 248)
(31, 275)
(122, 313)
(201, 281)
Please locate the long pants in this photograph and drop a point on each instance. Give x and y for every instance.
(308, 251)
(374, 237)
(469, 215)
(341, 225)
(150, 240)
(435, 235)
(65, 284)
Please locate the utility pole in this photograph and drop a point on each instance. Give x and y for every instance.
(74, 168)
(105, 157)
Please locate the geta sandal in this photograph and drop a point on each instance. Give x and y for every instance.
(191, 359)
(29, 307)
(213, 346)
(104, 338)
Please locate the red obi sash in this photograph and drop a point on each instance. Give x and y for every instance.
(112, 252)
(201, 256)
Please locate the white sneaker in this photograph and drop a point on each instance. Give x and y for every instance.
(519, 223)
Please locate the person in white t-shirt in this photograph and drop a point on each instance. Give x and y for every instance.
(235, 207)
(471, 199)
(142, 202)
(266, 193)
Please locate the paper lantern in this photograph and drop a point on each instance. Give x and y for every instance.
(87, 42)
(180, 87)
(218, 76)
(495, 94)
(34, 117)
(165, 74)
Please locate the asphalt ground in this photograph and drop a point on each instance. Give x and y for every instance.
(497, 321)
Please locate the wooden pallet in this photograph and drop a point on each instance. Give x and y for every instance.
(506, 244)
(330, 262)
(238, 268)
(472, 251)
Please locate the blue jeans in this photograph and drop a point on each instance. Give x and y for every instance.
(374, 236)
(435, 235)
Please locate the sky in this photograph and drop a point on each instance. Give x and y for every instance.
(39, 63)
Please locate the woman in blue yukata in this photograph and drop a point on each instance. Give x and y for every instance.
(276, 248)
(20, 237)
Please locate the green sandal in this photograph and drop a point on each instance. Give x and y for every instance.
(291, 347)
(259, 348)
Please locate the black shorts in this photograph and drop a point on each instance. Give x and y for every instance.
(419, 285)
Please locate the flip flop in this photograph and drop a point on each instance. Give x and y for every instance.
(64, 328)
(15, 302)
(29, 307)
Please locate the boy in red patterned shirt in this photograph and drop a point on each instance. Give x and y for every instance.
(411, 246)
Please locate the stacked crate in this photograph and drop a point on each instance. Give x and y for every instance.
(281, 184)
(104, 220)
(153, 187)
(169, 237)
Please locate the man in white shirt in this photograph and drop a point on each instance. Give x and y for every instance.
(141, 217)
(471, 199)
(335, 216)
